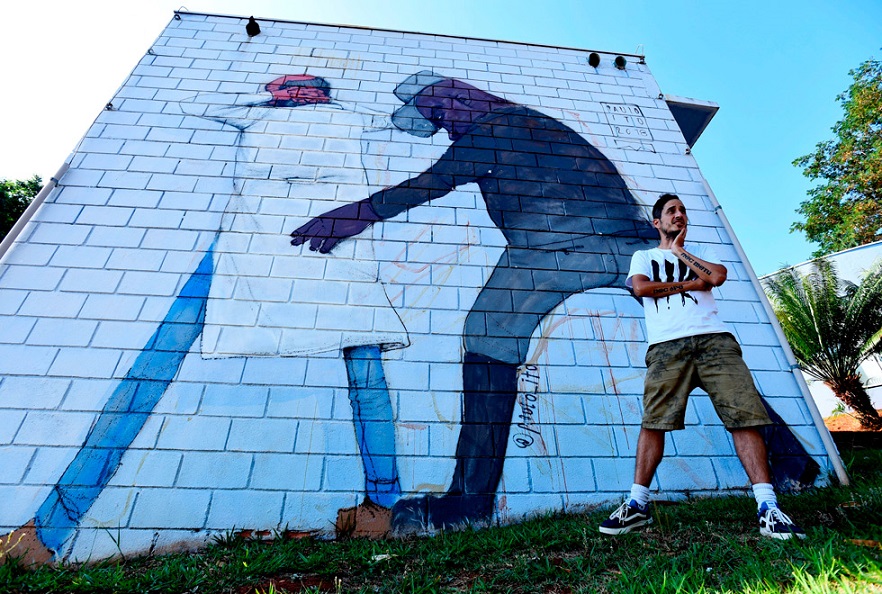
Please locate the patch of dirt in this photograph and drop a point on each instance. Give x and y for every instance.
(844, 422)
(291, 584)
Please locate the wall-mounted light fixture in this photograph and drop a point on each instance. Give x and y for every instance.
(620, 62)
(593, 60)
(252, 28)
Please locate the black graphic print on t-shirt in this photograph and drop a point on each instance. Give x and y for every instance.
(682, 276)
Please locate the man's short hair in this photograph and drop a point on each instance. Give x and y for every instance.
(659, 205)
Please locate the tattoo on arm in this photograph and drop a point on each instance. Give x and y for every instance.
(685, 256)
(665, 290)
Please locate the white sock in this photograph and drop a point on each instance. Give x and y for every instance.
(765, 493)
(640, 494)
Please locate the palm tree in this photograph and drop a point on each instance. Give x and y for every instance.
(832, 326)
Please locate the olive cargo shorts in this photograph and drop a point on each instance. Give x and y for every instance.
(712, 362)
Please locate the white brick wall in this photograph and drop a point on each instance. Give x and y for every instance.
(269, 442)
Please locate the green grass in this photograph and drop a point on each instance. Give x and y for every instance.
(706, 545)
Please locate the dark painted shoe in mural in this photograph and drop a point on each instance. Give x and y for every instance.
(366, 520)
(411, 515)
(24, 546)
(628, 517)
(446, 512)
(456, 511)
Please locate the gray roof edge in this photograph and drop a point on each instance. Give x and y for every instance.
(640, 57)
(690, 101)
(708, 108)
(873, 245)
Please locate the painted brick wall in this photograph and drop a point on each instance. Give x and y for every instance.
(268, 442)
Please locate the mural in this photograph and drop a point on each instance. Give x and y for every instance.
(224, 293)
(330, 220)
(570, 225)
(293, 324)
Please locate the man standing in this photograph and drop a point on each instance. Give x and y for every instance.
(691, 347)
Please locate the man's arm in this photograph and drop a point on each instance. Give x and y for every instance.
(417, 190)
(223, 107)
(713, 274)
(327, 230)
(643, 287)
(450, 171)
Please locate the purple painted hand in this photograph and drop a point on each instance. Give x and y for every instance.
(327, 230)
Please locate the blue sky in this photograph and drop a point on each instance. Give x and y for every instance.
(774, 67)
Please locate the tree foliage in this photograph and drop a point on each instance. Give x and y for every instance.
(846, 209)
(15, 195)
(832, 326)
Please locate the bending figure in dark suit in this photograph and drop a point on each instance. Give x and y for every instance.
(570, 223)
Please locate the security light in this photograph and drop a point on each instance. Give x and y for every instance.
(252, 28)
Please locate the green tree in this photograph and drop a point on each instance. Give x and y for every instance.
(832, 326)
(846, 209)
(15, 195)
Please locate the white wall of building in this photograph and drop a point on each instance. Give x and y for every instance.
(268, 442)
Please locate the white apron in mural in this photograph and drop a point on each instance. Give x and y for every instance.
(267, 297)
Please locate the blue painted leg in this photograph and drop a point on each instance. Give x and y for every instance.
(126, 411)
(374, 428)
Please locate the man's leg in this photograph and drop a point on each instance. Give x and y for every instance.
(667, 384)
(123, 415)
(634, 512)
(496, 338)
(489, 395)
(751, 451)
(650, 450)
(726, 378)
(374, 426)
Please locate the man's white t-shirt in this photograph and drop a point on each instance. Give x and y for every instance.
(676, 316)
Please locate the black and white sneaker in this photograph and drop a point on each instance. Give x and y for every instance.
(776, 524)
(629, 516)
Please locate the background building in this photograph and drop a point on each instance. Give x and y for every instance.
(851, 265)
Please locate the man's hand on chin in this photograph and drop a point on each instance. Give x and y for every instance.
(677, 246)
